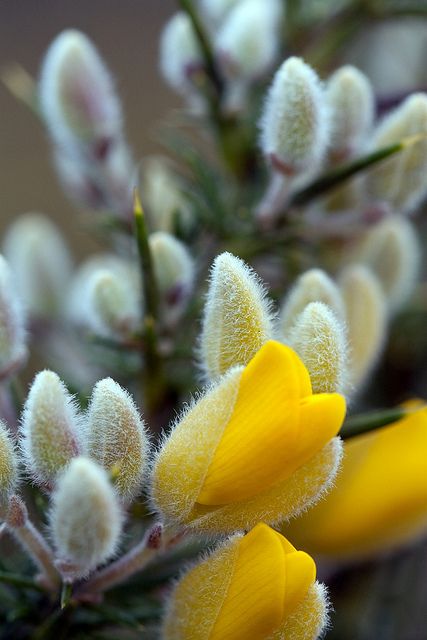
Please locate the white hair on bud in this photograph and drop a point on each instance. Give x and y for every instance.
(40, 260)
(313, 285)
(319, 338)
(295, 121)
(86, 519)
(247, 42)
(77, 95)
(8, 465)
(13, 348)
(351, 101)
(180, 54)
(51, 428)
(392, 250)
(116, 437)
(237, 318)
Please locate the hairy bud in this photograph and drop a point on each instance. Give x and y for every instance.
(85, 520)
(116, 436)
(8, 465)
(319, 339)
(312, 286)
(366, 318)
(40, 260)
(294, 124)
(237, 318)
(351, 102)
(13, 349)
(51, 428)
(392, 250)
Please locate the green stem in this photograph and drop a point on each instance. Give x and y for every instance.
(365, 422)
(66, 593)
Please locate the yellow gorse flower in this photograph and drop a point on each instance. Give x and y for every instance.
(380, 499)
(257, 446)
(257, 586)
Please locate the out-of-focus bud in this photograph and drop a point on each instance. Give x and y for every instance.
(351, 102)
(77, 95)
(40, 260)
(116, 437)
(51, 428)
(174, 273)
(13, 350)
(312, 286)
(400, 180)
(213, 479)
(163, 198)
(237, 317)
(214, 11)
(247, 43)
(106, 297)
(257, 586)
(319, 338)
(86, 519)
(366, 317)
(380, 500)
(181, 60)
(392, 250)
(295, 122)
(8, 466)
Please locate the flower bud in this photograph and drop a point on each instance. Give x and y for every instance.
(174, 273)
(366, 318)
(214, 11)
(400, 180)
(380, 500)
(180, 56)
(257, 445)
(106, 297)
(8, 466)
(237, 318)
(40, 260)
(392, 250)
(77, 95)
(255, 586)
(351, 103)
(85, 520)
(13, 349)
(318, 337)
(295, 123)
(163, 196)
(51, 428)
(116, 437)
(312, 286)
(247, 42)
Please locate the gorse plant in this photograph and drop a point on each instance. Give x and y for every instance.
(185, 445)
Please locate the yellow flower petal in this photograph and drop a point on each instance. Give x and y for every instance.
(254, 605)
(300, 575)
(268, 424)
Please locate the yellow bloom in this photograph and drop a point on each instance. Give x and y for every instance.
(257, 586)
(257, 446)
(380, 500)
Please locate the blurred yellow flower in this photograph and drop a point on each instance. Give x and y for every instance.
(257, 446)
(257, 586)
(380, 498)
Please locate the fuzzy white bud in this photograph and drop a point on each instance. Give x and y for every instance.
(237, 317)
(13, 350)
(295, 122)
(312, 286)
(319, 338)
(8, 465)
(116, 437)
(174, 272)
(77, 95)
(366, 318)
(41, 262)
(392, 250)
(351, 101)
(50, 428)
(86, 519)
